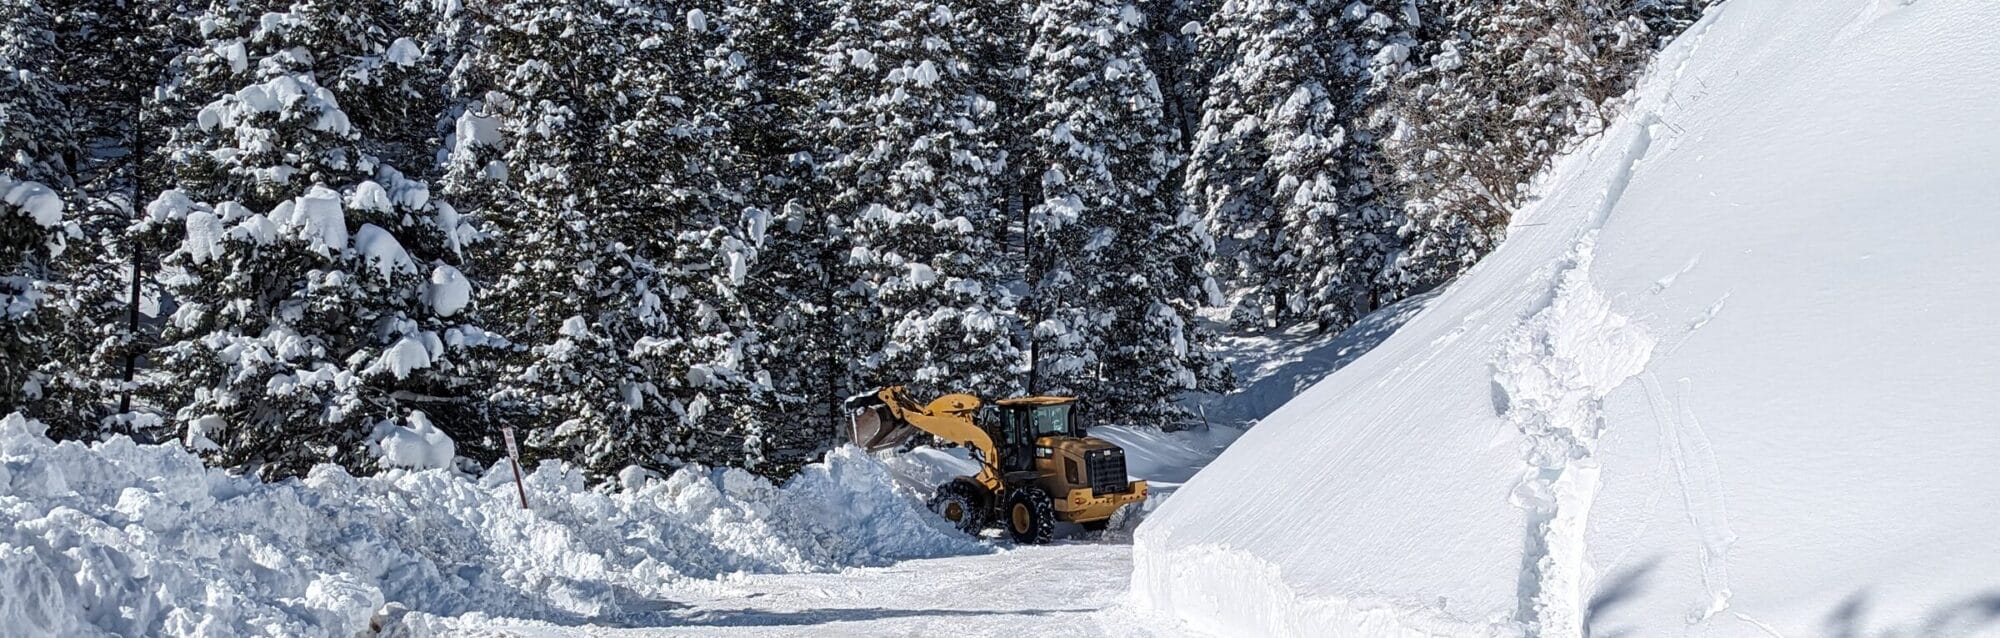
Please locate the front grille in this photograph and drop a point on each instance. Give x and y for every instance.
(1107, 471)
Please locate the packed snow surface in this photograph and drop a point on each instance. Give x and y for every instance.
(1732, 375)
(1073, 587)
(141, 540)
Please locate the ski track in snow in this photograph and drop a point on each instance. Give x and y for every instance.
(1699, 478)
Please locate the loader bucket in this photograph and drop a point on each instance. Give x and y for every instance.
(874, 429)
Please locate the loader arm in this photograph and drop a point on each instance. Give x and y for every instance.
(949, 417)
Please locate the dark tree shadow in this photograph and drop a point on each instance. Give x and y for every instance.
(1976, 615)
(1623, 588)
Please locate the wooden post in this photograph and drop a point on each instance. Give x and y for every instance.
(514, 459)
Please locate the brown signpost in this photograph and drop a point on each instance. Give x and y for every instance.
(514, 459)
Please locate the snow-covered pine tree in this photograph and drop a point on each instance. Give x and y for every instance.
(1503, 88)
(735, 180)
(1269, 96)
(1357, 243)
(1175, 29)
(613, 249)
(33, 174)
(1666, 18)
(114, 56)
(912, 152)
(1115, 269)
(792, 366)
(1281, 163)
(316, 288)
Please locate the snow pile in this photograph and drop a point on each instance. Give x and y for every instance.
(33, 200)
(143, 540)
(449, 291)
(421, 445)
(380, 251)
(317, 219)
(1731, 377)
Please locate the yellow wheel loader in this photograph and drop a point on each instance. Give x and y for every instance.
(1037, 465)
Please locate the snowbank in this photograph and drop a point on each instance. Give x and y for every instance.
(1732, 376)
(143, 540)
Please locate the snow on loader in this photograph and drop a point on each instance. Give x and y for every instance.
(1037, 466)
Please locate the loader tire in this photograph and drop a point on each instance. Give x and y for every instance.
(961, 503)
(1030, 516)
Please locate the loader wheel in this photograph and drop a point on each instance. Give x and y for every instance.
(960, 503)
(1030, 516)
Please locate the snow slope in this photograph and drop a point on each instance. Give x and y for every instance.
(1733, 375)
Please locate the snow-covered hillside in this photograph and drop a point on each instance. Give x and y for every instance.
(1733, 375)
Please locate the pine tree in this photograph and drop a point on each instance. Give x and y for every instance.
(1281, 165)
(33, 175)
(316, 287)
(1269, 98)
(592, 152)
(912, 157)
(795, 364)
(1115, 269)
(1504, 89)
(116, 57)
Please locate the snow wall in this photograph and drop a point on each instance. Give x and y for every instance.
(142, 540)
(1736, 373)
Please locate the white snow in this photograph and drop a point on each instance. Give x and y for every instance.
(1580, 438)
(420, 445)
(403, 52)
(34, 200)
(128, 539)
(380, 251)
(278, 93)
(920, 275)
(1074, 587)
(407, 354)
(204, 237)
(316, 218)
(449, 291)
(370, 196)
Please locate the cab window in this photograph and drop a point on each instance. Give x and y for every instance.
(1052, 420)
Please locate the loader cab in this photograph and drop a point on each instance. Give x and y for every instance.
(1017, 423)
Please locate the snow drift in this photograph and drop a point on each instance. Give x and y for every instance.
(126, 539)
(1733, 375)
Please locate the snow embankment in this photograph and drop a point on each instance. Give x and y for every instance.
(1731, 376)
(127, 539)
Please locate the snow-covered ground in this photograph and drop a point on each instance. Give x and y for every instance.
(1064, 589)
(133, 540)
(1733, 375)
(127, 539)
(1075, 587)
